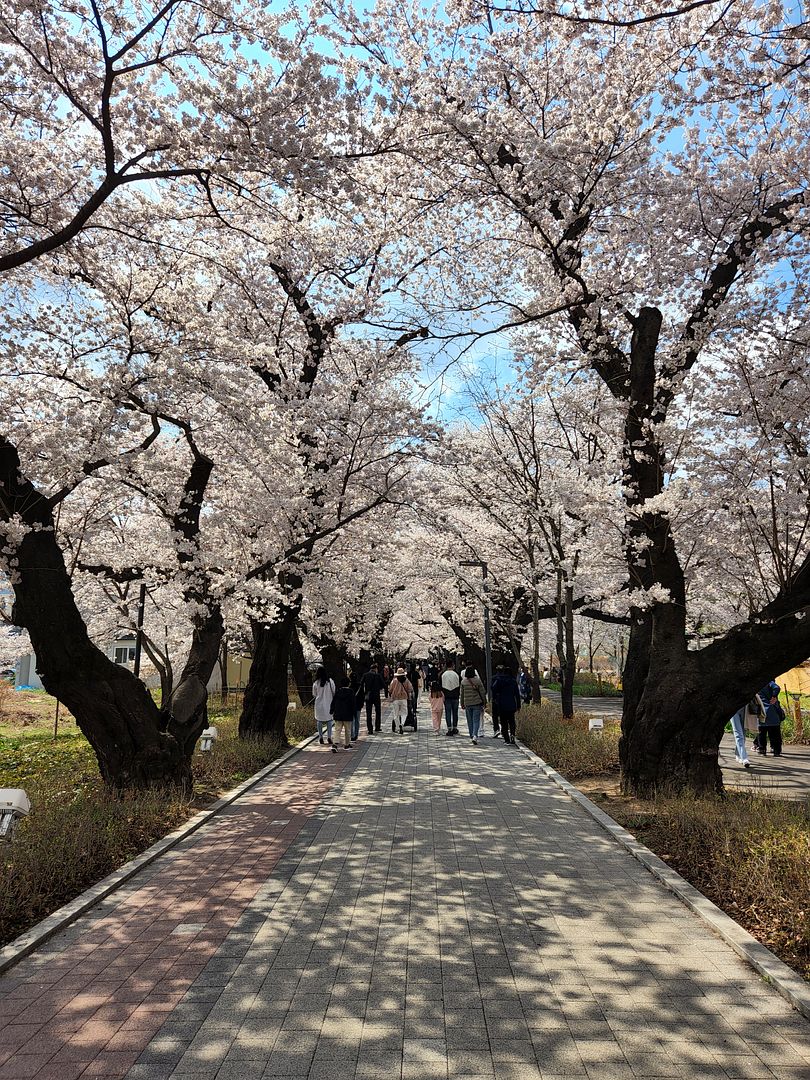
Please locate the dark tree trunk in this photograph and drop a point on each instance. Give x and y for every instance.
(672, 729)
(187, 713)
(302, 676)
(333, 657)
(264, 712)
(162, 665)
(113, 709)
(474, 654)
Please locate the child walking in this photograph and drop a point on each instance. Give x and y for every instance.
(436, 706)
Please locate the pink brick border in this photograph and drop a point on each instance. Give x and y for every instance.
(64, 916)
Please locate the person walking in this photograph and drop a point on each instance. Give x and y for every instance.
(506, 698)
(770, 723)
(342, 709)
(450, 688)
(738, 728)
(357, 692)
(399, 691)
(473, 698)
(371, 688)
(386, 677)
(525, 684)
(436, 706)
(413, 678)
(323, 690)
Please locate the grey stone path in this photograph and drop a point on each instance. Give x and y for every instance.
(450, 913)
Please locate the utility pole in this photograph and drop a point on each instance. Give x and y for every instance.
(139, 631)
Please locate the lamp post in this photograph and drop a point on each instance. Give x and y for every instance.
(487, 637)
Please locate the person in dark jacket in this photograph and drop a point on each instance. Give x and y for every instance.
(770, 724)
(413, 677)
(354, 683)
(525, 684)
(371, 687)
(342, 709)
(506, 699)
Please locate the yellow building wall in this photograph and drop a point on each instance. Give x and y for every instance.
(797, 680)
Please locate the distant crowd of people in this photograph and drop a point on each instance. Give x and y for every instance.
(339, 704)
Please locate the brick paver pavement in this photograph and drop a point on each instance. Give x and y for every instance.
(440, 910)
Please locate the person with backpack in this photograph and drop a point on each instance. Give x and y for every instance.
(371, 688)
(473, 698)
(506, 698)
(323, 690)
(400, 692)
(450, 688)
(770, 723)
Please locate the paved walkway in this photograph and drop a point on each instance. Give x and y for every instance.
(419, 909)
(787, 777)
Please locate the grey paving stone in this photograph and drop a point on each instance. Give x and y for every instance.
(400, 938)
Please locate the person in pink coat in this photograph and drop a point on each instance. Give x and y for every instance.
(436, 706)
(399, 692)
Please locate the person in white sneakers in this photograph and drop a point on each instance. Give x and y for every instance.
(473, 699)
(323, 690)
(399, 693)
(738, 727)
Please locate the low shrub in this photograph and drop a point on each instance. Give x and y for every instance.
(567, 745)
(78, 832)
(748, 853)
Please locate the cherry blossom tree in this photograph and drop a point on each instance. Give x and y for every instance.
(630, 232)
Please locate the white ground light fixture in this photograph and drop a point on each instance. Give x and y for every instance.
(14, 805)
(208, 737)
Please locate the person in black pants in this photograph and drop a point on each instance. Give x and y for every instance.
(506, 700)
(371, 687)
(770, 724)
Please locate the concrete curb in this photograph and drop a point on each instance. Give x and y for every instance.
(64, 916)
(790, 985)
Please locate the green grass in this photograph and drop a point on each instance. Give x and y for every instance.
(77, 832)
(586, 685)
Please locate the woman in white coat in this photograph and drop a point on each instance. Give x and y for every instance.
(323, 690)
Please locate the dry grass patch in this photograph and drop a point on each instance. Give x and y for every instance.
(567, 745)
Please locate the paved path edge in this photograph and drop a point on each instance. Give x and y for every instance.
(68, 913)
(784, 979)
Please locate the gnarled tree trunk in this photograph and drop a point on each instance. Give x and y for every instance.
(302, 676)
(186, 714)
(113, 709)
(264, 712)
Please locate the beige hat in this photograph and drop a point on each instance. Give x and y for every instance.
(400, 671)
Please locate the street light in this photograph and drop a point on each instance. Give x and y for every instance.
(487, 638)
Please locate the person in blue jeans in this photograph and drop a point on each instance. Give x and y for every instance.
(738, 727)
(450, 688)
(473, 698)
